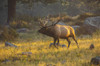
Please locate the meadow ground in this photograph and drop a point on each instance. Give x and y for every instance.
(42, 55)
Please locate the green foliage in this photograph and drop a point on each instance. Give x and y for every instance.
(24, 21)
(8, 34)
(19, 24)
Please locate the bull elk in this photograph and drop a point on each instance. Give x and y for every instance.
(58, 31)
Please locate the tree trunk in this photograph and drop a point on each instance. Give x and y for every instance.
(11, 10)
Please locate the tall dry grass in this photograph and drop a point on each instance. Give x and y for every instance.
(42, 55)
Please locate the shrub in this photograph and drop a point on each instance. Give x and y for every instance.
(19, 24)
(85, 15)
(8, 34)
(97, 33)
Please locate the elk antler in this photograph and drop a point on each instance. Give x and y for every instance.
(43, 22)
(57, 22)
(59, 18)
(46, 20)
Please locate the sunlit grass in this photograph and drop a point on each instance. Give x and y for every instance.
(42, 55)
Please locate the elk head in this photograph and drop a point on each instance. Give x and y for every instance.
(46, 29)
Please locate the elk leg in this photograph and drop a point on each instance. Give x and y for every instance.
(58, 42)
(55, 43)
(68, 42)
(76, 42)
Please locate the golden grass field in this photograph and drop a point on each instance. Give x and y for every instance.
(42, 55)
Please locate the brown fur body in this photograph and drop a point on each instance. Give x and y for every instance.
(59, 31)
